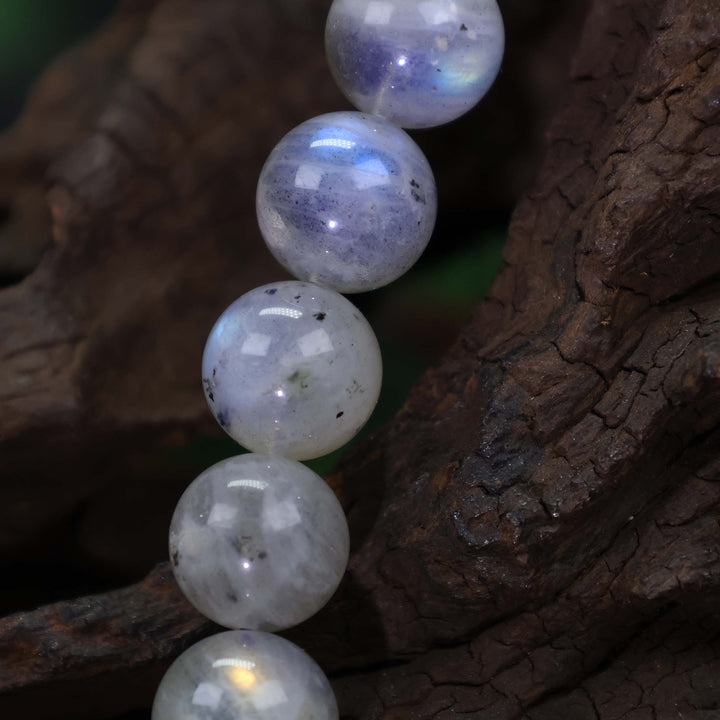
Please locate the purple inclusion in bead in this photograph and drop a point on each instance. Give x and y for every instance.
(348, 201)
(418, 63)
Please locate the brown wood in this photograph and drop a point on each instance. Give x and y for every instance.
(536, 534)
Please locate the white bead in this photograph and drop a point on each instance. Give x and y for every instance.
(348, 201)
(246, 675)
(418, 63)
(292, 369)
(258, 542)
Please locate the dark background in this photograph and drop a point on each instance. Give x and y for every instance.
(32, 34)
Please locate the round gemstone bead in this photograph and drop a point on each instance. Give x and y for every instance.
(258, 542)
(244, 674)
(418, 63)
(292, 369)
(347, 201)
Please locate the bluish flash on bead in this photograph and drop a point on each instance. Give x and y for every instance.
(348, 201)
(292, 369)
(418, 63)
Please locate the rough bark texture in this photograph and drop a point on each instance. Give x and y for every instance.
(536, 534)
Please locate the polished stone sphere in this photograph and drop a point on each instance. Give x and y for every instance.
(418, 63)
(292, 369)
(258, 542)
(247, 675)
(348, 201)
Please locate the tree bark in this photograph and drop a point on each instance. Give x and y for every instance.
(536, 533)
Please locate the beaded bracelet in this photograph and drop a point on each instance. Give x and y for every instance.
(346, 202)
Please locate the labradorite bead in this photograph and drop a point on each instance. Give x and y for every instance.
(244, 674)
(348, 201)
(258, 542)
(292, 369)
(418, 63)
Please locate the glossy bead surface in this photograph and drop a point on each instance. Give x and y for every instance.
(258, 542)
(348, 201)
(418, 63)
(292, 369)
(245, 675)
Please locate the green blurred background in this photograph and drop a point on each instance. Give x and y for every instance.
(32, 34)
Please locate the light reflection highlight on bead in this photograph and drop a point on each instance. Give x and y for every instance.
(248, 675)
(293, 369)
(239, 671)
(282, 311)
(347, 201)
(247, 483)
(333, 142)
(264, 528)
(378, 13)
(429, 65)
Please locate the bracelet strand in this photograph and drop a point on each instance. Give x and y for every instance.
(346, 202)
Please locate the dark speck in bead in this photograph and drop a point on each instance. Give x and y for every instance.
(339, 415)
(299, 378)
(208, 391)
(271, 291)
(175, 558)
(341, 195)
(288, 372)
(301, 518)
(386, 65)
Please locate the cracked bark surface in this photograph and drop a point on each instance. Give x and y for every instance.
(536, 533)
